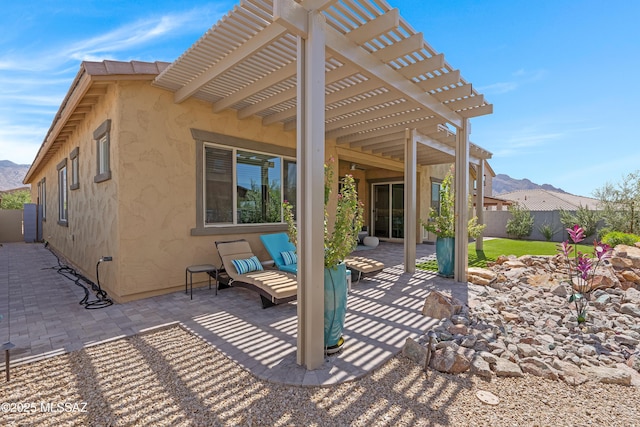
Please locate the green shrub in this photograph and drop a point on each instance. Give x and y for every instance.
(547, 231)
(520, 225)
(614, 238)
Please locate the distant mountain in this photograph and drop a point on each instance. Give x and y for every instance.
(505, 184)
(11, 175)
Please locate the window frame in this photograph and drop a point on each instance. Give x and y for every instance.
(63, 194)
(75, 169)
(436, 181)
(205, 138)
(42, 197)
(102, 136)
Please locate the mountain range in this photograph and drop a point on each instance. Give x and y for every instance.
(11, 176)
(505, 184)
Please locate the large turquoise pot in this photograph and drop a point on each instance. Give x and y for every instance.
(335, 304)
(445, 255)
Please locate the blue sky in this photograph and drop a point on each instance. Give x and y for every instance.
(562, 75)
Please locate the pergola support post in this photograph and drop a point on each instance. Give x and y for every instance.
(410, 190)
(480, 202)
(461, 205)
(310, 193)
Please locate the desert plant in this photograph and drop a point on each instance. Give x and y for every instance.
(582, 269)
(520, 225)
(443, 223)
(547, 231)
(615, 238)
(15, 199)
(348, 219)
(584, 217)
(620, 203)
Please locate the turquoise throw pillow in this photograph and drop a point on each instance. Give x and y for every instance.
(289, 257)
(244, 266)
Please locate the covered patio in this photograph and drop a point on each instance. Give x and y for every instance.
(43, 318)
(349, 74)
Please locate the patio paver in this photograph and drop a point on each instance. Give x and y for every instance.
(383, 310)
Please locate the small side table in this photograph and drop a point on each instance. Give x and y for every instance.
(202, 268)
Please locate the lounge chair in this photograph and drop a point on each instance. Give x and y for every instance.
(278, 244)
(363, 265)
(279, 247)
(283, 253)
(274, 287)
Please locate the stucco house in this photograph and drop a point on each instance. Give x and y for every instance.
(151, 163)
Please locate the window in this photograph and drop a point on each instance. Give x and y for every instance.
(435, 195)
(75, 173)
(246, 187)
(42, 197)
(62, 192)
(103, 142)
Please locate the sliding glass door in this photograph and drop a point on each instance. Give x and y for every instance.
(387, 220)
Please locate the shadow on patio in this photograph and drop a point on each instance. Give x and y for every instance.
(383, 310)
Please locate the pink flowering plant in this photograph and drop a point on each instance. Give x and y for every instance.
(582, 269)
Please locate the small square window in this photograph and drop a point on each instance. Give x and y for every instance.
(62, 193)
(75, 173)
(103, 142)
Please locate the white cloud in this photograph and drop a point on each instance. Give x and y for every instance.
(521, 78)
(498, 88)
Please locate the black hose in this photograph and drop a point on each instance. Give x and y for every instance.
(101, 301)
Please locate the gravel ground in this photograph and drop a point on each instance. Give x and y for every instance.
(173, 378)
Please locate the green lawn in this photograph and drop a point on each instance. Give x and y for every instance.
(495, 247)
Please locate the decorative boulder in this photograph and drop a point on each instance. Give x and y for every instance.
(439, 306)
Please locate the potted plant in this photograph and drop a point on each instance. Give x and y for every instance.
(442, 224)
(339, 241)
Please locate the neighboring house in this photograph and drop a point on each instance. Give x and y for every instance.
(151, 163)
(545, 200)
(545, 207)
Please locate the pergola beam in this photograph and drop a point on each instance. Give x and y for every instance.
(423, 67)
(372, 29)
(350, 52)
(263, 38)
(375, 113)
(347, 139)
(399, 49)
(273, 78)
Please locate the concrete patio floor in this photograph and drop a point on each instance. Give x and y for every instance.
(43, 317)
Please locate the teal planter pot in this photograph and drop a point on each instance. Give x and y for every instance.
(445, 255)
(335, 306)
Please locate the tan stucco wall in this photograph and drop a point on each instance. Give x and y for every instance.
(158, 180)
(144, 216)
(92, 208)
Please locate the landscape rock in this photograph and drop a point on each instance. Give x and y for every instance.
(632, 295)
(439, 306)
(539, 368)
(481, 276)
(506, 368)
(608, 375)
(523, 323)
(631, 309)
(451, 361)
(481, 367)
(414, 351)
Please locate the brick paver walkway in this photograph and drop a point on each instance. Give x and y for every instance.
(45, 317)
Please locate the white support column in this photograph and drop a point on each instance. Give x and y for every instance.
(480, 202)
(310, 215)
(461, 203)
(410, 189)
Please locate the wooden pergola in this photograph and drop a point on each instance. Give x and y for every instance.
(353, 71)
